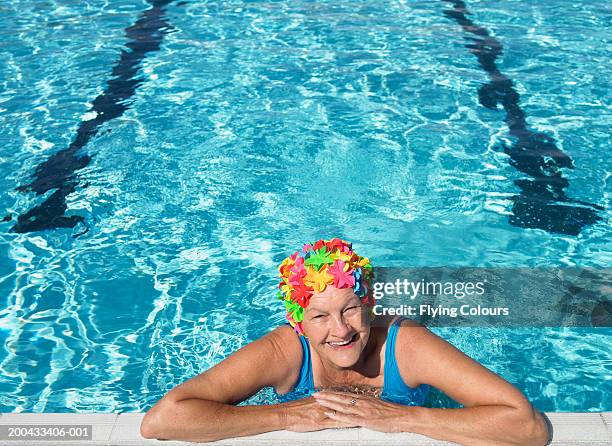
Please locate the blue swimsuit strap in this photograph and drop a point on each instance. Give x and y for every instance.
(393, 382)
(391, 374)
(306, 380)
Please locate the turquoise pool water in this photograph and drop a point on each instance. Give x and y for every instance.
(256, 126)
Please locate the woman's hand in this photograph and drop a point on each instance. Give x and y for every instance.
(364, 411)
(307, 414)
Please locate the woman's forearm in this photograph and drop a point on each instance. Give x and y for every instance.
(479, 425)
(202, 420)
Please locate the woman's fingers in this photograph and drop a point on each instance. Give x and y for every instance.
(343, 397)
(345, 403)
(344, 408)
(359, 410)
(345, 419)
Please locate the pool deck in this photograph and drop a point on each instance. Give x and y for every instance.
(123, 430)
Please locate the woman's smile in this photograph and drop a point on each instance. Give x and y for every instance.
(343, 345)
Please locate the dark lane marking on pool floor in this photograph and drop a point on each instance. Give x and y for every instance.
(58, 172)
(542, 202)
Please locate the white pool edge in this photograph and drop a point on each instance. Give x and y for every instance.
(123, 430)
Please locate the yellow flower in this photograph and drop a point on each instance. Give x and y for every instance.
(344, 257)
(363, 262)
(286, 289)
(318, 280)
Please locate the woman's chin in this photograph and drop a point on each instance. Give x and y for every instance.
(345, 363)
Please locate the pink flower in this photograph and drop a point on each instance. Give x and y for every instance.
(342, 278)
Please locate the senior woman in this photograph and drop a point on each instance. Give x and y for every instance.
(330, 344)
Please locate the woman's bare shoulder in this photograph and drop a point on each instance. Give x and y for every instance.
(288, 348)
(412, 339)
(426, 358)
(412, 336)
(286, 342)
(411, 323)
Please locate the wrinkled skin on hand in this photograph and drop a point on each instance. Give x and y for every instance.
(369, 412)
(307, 415)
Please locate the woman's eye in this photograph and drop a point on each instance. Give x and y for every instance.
(318, 316)
(351, 308)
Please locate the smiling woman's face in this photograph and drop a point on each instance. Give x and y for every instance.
(337, 326)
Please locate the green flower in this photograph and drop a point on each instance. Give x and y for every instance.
(291, 306)
(319, 258)
(298, 314)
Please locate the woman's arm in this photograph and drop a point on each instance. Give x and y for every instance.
(481, 425)
(202, 408)
(495, 412)
(204, 420)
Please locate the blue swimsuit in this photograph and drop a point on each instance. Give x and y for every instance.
(394, 388)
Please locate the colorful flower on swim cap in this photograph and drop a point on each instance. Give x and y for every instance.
(314, 268)
(357, 288)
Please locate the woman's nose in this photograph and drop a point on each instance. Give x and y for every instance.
(341, 327)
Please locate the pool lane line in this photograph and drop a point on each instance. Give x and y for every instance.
(58, 172)
(542, 202)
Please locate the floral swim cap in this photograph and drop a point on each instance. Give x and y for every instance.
(317, 265)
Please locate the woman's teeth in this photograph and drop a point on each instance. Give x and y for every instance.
(338, 344)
